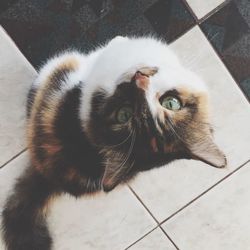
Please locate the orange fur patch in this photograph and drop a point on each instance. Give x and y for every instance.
(47, 115)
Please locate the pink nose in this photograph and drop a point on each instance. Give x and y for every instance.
(141, 80)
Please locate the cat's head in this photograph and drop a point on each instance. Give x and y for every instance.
(153, 115)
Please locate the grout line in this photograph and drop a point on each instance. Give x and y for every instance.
(169, 237)
(182, 34)
(140, 200)
(191, 27)
(13, 158)
(215, 10)
(188, 29)
(158, 224)
(212, 12)
(18, 50)
(206, 191)
(189, 8)
(141, 237)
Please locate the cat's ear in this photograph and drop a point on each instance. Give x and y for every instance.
(115, 172)
(207, 151)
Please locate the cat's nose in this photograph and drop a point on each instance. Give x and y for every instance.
(142, 77)
(141, 80)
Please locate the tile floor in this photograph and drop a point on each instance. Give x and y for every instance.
(186, 205)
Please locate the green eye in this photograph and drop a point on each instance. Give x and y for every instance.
(124, 114)
(171, 103)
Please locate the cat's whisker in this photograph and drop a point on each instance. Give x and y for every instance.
(129, 151)
(131, 165)
(171, 126)
(121, 143)
(127, 156)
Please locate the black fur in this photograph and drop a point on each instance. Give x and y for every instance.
(24, 224)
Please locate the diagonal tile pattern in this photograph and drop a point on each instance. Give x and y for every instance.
(169, 18)
(219, 220)
(182, 181)
(229, 32)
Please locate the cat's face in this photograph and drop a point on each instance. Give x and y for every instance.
(144, 124)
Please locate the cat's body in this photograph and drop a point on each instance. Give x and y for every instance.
(96, 120)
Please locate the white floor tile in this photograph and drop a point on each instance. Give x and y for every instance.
(106, 221)
(16, 76)
(203, 7)
(155, 240)
(219, 220)
(166, 190)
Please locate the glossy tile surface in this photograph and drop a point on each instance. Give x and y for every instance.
(219, 220)
(16, 76)
(166, 190)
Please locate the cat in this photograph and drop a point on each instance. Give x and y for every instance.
(96, 120)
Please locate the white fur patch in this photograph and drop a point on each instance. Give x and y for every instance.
(123, 56)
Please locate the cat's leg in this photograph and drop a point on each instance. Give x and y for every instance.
(24, 224)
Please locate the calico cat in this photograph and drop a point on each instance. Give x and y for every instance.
(96, 120)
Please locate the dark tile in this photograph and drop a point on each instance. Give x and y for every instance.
(170, 18)
(41, 28)
(101, 7)
(229, 32)
(5, 4)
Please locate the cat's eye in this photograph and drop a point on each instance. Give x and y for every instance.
(171, 103)
(124, 114)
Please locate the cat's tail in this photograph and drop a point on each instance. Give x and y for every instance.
(23, 219)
